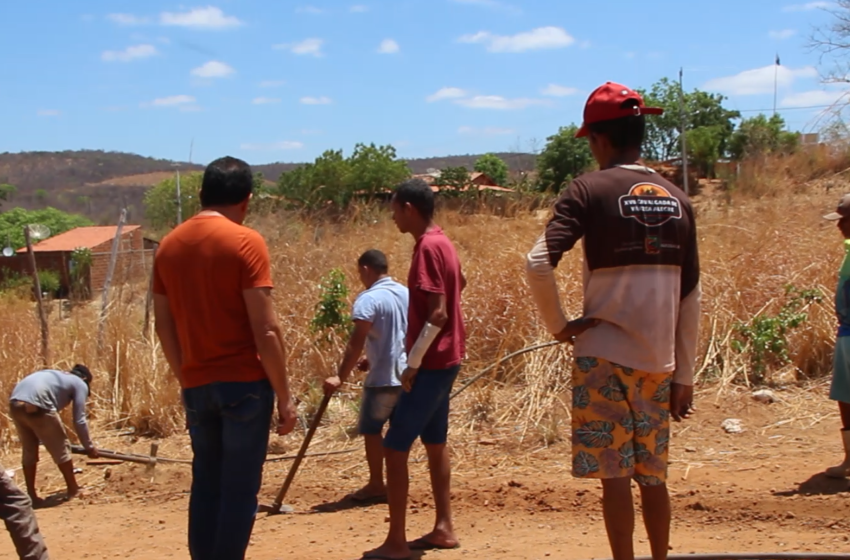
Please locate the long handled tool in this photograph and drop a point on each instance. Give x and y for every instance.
(278, 507)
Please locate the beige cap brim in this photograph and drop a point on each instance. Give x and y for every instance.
(833, 216)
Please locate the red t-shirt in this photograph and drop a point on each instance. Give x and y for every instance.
(203, 266)
(436, 269)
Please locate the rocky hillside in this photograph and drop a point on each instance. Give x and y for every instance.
(98, 183)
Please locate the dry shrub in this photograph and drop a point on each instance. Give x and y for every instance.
(751, 247)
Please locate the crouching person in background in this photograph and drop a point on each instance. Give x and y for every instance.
(34, 407)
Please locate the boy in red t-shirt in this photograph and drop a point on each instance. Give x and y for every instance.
(436, 339)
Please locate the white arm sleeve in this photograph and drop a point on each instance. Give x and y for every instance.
(426, 337)
(687, 337)
(544, 289)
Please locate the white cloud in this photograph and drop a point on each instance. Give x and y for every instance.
(807, 7)
(312, 10)
(134, 52)
(446, 93)
(272, 83)
(265, 100)
(358, 9)
(213, 69)
(273, 146)
(498, 103)
(48, 113)
(816, 97)
(487, 131)
(537, 39)
(316, 100)
(584, 45)
(782, 35)
(209, 17)
(128, 19)
(171, 101)
(306, 47)
(190, 108)
(759, 80)
(388, 46)
(554, 90)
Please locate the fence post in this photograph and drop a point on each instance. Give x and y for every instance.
(104, 304)
(149, 298)
(45, 347)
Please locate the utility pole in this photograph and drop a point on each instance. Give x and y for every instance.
(682, 134)
(775, 82)
(179, 198)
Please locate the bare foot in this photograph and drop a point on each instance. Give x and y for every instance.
(387, 552)
(436, 539)
(74, 492)
(36, 502)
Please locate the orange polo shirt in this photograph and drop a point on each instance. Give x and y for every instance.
(202, 267)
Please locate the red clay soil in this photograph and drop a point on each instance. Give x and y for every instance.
(756, 491)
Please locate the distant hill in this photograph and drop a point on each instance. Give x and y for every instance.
(98, 184)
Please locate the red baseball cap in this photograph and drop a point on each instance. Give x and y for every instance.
(606, 103)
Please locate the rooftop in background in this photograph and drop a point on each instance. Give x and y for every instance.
(86, 237)
(476, 179)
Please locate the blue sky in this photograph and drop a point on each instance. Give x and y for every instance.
(281, 80)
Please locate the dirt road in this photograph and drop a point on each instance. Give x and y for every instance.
(754, 491)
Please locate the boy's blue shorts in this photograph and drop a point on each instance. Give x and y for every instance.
(424, 411)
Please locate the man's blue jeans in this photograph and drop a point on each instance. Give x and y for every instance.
(229, 426)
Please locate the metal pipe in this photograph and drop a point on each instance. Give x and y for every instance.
(754, 556)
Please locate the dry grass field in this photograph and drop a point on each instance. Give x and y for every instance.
(510, 430)
(754, 241)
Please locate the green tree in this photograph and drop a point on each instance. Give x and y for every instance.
(453, 180)
(7, 192)
(41, 196)
(564, 158)
(702, 109)
(12, 223)
(161, 200)
(704, 148)
(333, 178)
(373, 169)
(761, 135)
(494, 167)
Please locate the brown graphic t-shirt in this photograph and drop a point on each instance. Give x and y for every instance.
(641, 270)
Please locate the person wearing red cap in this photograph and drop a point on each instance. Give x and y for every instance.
(840, 386)
(635, 342)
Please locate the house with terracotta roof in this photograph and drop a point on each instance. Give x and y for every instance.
(477, 180)
(56, 254)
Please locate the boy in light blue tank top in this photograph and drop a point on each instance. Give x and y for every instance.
(840, 388)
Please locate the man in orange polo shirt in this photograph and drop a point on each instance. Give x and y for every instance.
(218, 330)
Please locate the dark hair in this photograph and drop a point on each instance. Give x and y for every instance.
(374, 260)
(418, 194)
(623, 133)
(227, 181)
(82, 372)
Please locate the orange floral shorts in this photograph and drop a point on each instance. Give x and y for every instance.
(621, 422)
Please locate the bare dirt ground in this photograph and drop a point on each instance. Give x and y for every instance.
(755, 491)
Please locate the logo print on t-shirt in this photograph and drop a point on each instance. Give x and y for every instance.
(650, 204)
(652, 245)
